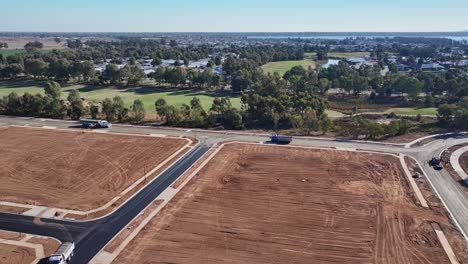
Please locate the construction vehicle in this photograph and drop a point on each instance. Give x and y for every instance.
(281, 139)
(436, 163)
(63, 254)
(95, 123)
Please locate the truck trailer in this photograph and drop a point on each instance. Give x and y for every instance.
(95, 123)
(280, 139)
(63, 254)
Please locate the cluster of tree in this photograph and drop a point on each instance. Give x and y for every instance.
(141, 48)
(52, 105)
(322, 54)
(353, 80)
(220, 115)
(441, 42)
(3, 45)
(454, 115)
(74, 43)
(262, 54)
(241, 73)
(424, 52)
(437, 87)
(271, 104)
(46, 66)
(300, 78)
(179, 76)
(48, 105)
(267, 102)
(33, 45)
(452, 84)
(358, 127)
(115, 109)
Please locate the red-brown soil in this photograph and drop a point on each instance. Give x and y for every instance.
(50, 245)
(13, 254)
(267, 204)
(74, 170)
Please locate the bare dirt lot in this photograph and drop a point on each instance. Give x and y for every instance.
(266, 204)
(75, 170)
(24, 254)
(13, 254)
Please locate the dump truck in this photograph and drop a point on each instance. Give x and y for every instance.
(63, 254)
(280, 139)
(95, 123)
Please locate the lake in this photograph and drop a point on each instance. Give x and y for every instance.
(457, 37)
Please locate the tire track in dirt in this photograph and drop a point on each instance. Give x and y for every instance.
(266, 204)
(80, 171)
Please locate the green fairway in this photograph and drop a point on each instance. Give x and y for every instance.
(347, 55)
(412, 111)
(147, 94)
(8, 52)
(283, 66)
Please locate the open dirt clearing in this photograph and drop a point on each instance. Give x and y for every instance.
(75, 170)
(19, 42)
(266, 204)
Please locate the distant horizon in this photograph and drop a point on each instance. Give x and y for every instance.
(186, 16)
(250, 32)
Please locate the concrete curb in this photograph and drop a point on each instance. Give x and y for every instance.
(455, 161)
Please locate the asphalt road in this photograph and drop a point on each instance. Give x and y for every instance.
(90, 237)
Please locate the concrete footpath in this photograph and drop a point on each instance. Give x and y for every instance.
(455, 161)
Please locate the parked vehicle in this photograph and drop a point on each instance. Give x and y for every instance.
(63, 254)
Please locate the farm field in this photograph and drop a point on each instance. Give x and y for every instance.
(147, 94)
(283, 66)
(75, 170)
(256, 203)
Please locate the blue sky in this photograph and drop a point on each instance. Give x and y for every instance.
(233, 15)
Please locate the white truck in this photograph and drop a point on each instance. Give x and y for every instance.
(63, 254)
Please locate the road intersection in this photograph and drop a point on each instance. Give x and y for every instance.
(91, 236)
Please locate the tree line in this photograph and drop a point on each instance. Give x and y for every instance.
(52, 105)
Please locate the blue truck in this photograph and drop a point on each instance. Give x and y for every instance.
(280, 139)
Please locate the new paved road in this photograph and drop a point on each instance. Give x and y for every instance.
(92, 236)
